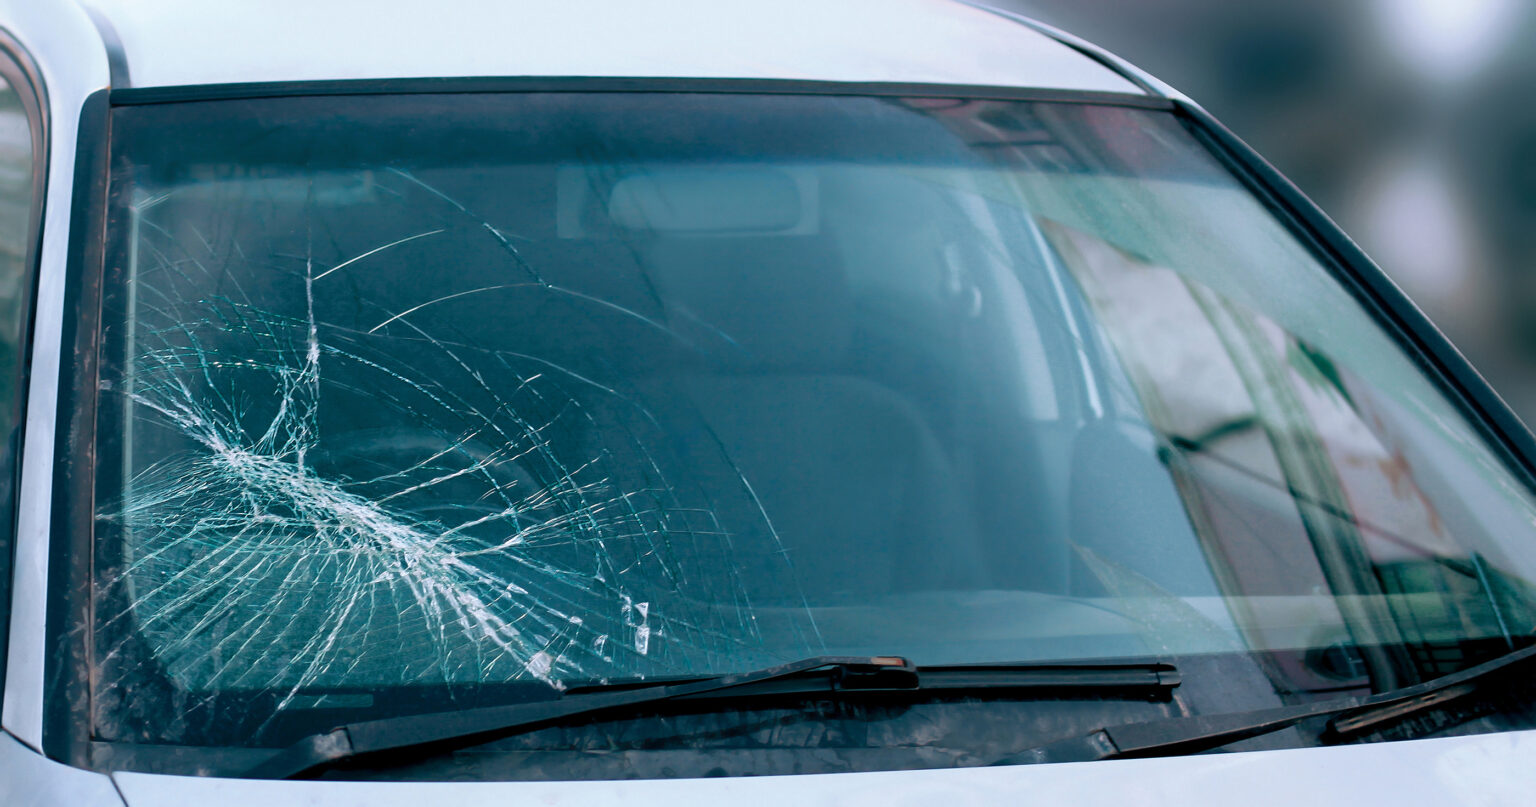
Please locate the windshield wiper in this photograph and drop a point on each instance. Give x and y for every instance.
(1350, 716)
(443, 731)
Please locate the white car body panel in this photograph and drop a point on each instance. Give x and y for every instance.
(190, 42)
(73, 64)
(28, 778)
(181, 42)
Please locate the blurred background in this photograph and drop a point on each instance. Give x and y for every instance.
(1410, 122)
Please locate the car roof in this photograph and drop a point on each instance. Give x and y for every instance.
(167, 43)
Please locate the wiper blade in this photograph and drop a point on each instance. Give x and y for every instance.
(443, 731)
(1145, 678)
(1350, 716)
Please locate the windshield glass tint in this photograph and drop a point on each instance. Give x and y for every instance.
(427, 401)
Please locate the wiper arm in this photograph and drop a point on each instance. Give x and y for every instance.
(1351, 716)
(442, 731)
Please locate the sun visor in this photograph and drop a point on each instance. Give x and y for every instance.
(692, 200)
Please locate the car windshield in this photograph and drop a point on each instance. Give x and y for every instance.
(424, 401)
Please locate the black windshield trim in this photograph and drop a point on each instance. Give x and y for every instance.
(411, 86)
(1351, 267)
(66, 710)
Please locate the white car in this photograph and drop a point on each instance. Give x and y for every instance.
(599, 403)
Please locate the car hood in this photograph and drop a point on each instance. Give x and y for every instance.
(1489, 769)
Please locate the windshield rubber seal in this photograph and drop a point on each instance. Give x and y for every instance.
(136, 96)
(66, 693)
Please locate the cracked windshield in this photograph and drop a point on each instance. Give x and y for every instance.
(423, 402)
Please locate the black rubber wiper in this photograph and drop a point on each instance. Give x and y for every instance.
(1351, 717)
(443, 731)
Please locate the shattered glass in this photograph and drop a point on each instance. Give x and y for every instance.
(330, 488)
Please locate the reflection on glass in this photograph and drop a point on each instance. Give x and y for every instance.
(17, 232)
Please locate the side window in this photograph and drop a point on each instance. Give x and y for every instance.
(21, 143)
